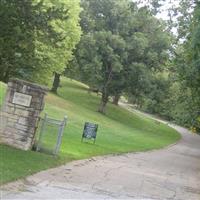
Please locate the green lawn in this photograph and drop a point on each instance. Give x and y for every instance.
(119, 131)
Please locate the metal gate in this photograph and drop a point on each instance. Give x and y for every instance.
(50, 134)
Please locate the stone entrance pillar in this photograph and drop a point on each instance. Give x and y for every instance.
(20, 113)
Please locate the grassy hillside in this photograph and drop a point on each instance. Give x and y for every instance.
(119, 131)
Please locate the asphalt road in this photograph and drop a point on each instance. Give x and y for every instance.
(170, 173)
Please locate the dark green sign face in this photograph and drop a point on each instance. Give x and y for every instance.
(90, 131)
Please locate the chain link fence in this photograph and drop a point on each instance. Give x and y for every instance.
(49, 134)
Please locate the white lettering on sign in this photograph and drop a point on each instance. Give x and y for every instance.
(22, 99)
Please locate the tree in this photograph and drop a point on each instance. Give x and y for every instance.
(176, 96)
(188, 65)
(119, 41)
(100, 61)
(16, 38)
(102, 49)
(56, 83)
(37, 37)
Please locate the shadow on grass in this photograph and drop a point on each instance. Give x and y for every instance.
(73, 84)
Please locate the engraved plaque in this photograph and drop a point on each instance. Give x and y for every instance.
(22, 99)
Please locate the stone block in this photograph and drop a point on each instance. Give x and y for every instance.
(18, 107)
(3, 120)
(8, 141)
(13, 116)
(16, 137)
(10, 130)
(11, 123)
(31, 130)
(20, 112)
(37, 106)
(23, 120)
(36, 114)
(12, 119)
(9, 109)
(21, 127)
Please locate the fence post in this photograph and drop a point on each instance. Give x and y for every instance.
(41, 132)
(60, 133)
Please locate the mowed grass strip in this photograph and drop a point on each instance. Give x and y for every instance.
(119, 131)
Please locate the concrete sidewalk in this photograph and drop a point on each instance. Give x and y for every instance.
(166, 174)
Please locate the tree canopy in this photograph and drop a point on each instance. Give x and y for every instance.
(120, 46)
(37, 37)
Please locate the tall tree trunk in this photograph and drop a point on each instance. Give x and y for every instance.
(56, 83)
(104, 101)
(116, 99)
(105, 93)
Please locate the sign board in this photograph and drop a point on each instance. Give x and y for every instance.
(90, 131)
(22, 99)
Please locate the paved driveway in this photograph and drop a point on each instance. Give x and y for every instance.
(170, 173)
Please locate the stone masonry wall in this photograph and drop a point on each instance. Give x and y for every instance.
(20, 113)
